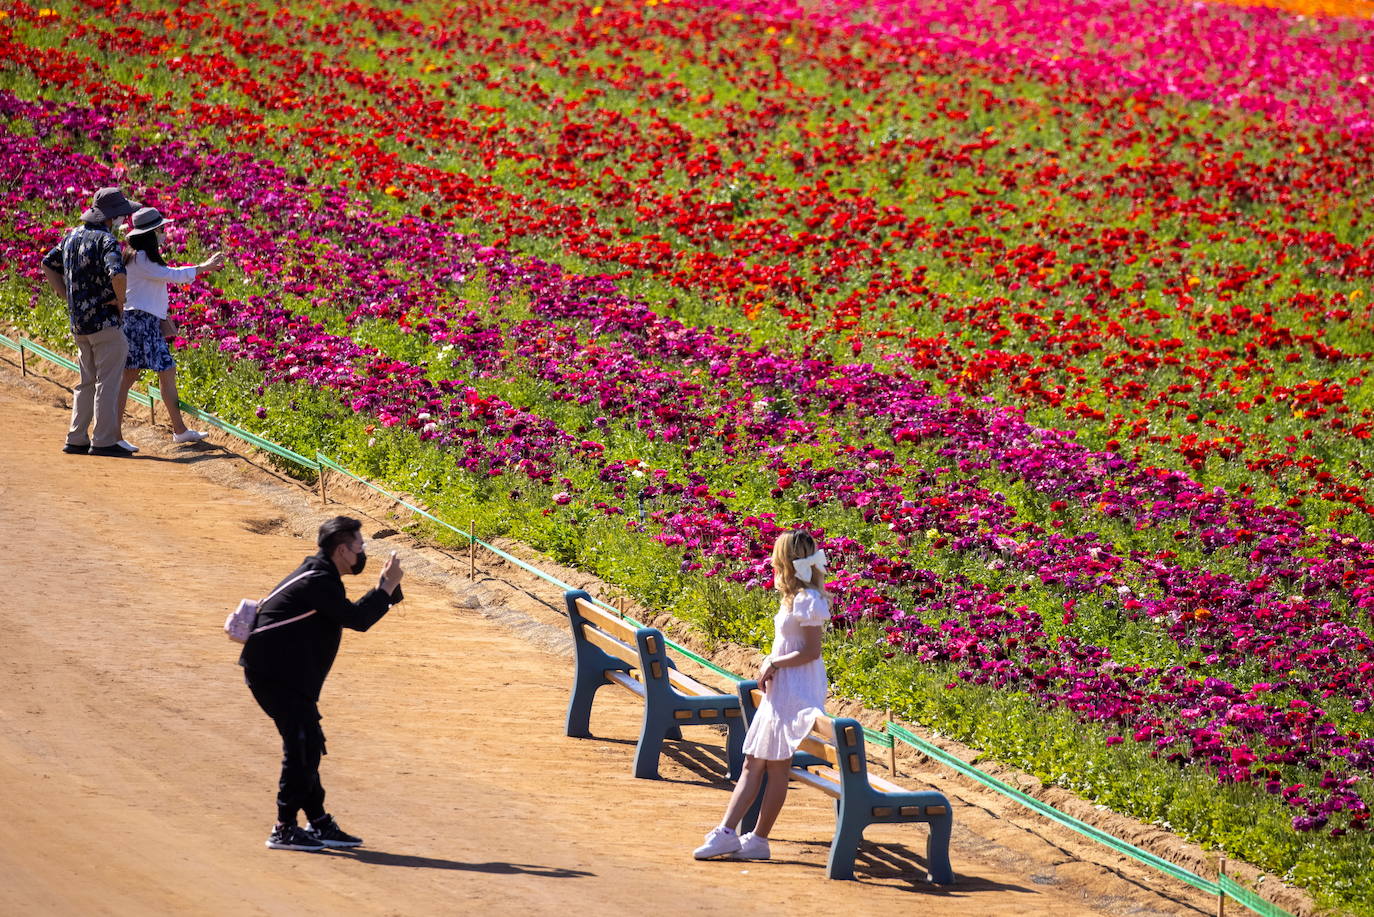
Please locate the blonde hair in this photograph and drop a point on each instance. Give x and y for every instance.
(792, 546)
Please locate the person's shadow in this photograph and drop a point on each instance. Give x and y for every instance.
(382, 858)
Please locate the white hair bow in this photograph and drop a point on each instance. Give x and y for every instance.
(805, 565)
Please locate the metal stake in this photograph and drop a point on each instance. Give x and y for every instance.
(324, 498)
(472, 549)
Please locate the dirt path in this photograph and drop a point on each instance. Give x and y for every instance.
(137, 776)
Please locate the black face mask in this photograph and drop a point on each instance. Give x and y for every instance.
(359, 563)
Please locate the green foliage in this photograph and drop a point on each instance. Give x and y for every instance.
(1009, 727)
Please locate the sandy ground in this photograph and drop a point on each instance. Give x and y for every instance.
(137, 776)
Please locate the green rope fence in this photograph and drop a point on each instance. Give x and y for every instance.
(326, 462)
(1225, 886)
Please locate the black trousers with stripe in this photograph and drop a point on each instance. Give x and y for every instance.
(297, 718)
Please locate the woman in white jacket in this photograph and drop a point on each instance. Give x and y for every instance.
(145, 310)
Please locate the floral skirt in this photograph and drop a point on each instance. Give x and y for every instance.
(147, 349)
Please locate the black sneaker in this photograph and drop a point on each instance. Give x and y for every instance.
(116, 450)
(327, 832)
(293, 837)
(74, 449)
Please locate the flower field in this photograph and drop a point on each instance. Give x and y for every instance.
(1052, 319)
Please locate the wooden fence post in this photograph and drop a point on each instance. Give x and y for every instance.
(324, 499)
(1221, 893)
(892, 749)
(23, 361)
(152, 408)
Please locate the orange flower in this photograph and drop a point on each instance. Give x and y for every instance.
(1354, 9)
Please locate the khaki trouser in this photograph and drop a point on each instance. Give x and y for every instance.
(96, 396)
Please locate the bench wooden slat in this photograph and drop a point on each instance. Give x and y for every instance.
(820, 778)
(887, 786)
(620, 630)
(612, 624)
(609, 644)
(626, 681)
(816, 745)
(689, 685)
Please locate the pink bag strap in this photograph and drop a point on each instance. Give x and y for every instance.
(294, 579)
(258, 630)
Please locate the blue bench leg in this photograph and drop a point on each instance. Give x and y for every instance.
(674, 733)
(937, 851)
(844, 847)
(734, 747)
(580, 704)
(650, 745)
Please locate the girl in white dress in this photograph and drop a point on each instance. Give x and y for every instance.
(794, 687)
(145, 309)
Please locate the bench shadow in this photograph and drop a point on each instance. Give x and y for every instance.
(382, 858)
(612, 740)
(707, 762)
(882, 863)
(189, 459)
(188, 454)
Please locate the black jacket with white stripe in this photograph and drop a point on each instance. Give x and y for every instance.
(297, 657)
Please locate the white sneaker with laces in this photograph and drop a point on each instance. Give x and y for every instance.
(188, 436)
(719, 842)
(126, 446)
(752, 847)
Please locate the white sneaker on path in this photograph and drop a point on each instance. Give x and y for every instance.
(719, 842)
(752, 847)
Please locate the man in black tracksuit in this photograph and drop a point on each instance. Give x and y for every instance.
(287, 658)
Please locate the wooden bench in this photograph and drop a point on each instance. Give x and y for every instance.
(833, 759)
(610, 651)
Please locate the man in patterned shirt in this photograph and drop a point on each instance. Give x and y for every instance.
(87, 270)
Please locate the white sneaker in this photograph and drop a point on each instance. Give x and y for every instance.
(752, 847)
(188, 436)
(718, 843)
(126, 446)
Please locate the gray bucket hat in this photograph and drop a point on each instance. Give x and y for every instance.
(144, 220)
(108, 204)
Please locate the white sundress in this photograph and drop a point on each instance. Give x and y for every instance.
(796, 695)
